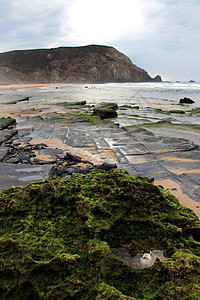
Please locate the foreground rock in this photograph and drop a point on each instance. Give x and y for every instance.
(92, 63)
(64, 231)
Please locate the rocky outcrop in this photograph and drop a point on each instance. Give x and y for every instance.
(87, 64)
(186, 100)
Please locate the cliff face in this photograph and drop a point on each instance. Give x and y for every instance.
(91, 64)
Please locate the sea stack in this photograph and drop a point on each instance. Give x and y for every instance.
(87, 64)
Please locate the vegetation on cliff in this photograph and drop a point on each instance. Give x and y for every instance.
(57, 238)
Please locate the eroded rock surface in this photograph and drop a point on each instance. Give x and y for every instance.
(137, 150)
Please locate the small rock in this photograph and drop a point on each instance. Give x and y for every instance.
(37, 161)
(106, 166)
(60, 155)
(161, 186)
(72, 157)
(13, 160)
(24, 158)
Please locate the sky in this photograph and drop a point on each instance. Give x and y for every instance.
(160, 36)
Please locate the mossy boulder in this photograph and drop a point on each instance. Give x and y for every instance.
(177, 111)
(76, 103)
(56, 239)
(6, 122)
(106, 110)
(19, 100)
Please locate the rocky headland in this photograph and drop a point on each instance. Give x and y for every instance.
(87, 64)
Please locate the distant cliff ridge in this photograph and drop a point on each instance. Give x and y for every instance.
(87, 64)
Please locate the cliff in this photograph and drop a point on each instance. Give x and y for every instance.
(87, 64)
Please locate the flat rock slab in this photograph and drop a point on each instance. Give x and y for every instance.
(3, 151)
(7, 135)
(21, 174)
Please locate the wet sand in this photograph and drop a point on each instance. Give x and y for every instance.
(176, 190)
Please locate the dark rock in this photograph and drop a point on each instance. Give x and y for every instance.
(39, 146)
(161, 186)
(72, 157)
(37, 161)
(186, 100)
(157, 78)
(59, 171)
(107, 166)
(70, 163)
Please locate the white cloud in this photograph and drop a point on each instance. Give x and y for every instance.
(29, 24)
(105, 21)
(160, 36)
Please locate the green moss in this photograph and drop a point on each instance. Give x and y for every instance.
(161, 111)
(177, 111)
(76, 103)
(109, 292)
(56, 238)
(91, 119)
(169, 112)
(170, 125)
(124, 107)
(178, 272)
(17, 101)
(38, 118)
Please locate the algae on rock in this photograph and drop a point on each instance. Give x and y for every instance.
(57, 235)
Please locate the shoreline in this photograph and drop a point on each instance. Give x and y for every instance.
(27, 85)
